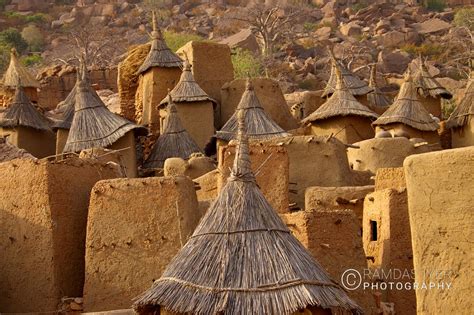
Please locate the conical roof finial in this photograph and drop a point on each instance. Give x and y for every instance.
(373, 75)
(407, 77)
(242, 168)
(186, 64)
(339, 79)
(155, 34)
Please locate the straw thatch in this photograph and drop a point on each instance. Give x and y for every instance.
(355, 85)
(93, 125)
(174, 142)
(17, 74)
(21, 113)
(242, 259)
(187, 89)
(427, 85)
(65, 110)
(408, 110)
(376, 98)
(259, 125)
(9, 152)
(341, 103)
(463, 112)
(160, 55)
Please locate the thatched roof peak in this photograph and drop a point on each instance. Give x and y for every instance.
(243, 259)
(17, 74)
(159, 55)
(93, 125)
(341, 103)
(427, 85)
(187, 89)
(174, 142)
(21, 113)
(407, 109)
(465, 109)
(376, 98)
(355, 85)
(259, 125)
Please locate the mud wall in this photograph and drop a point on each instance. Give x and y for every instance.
(348, 129)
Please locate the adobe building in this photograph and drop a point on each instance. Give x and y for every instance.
(271, 167)
(430, 90)
(10, 152)
(260, 126)
(25, 127)
(242, 259)
(174, 142)
(15, 75)
(158, 73)
(212, 68)
(269, 94)
(407, 117)
(441, 221)
(197, 166)
(387, 240)
(342, 116)
(356, 87)
(42, 230)
(128, 247)
(376, 153)
(94, 126)
(376, 100)
(317, 161)
(304, 103)
(461, 121)
(333, 236)
(195, 107)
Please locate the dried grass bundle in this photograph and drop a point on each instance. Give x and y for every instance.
(355, 85)
(17, 74)
(187, 89)
(408, 110)
(259, 125)
(174, 142)
(159, 55)
(341, 103)
(376, 98)
(242, 259)
(93, 125)
(427, 85)
(461, 114)
(21, 113)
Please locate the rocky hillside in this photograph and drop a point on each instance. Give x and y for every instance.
(295, 51)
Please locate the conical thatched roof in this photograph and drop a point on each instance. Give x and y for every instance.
(93, 125)
(259, 125)
(187, 89)
(21, 113)
(407, 109)
(376, 98)
(355, 85)
(174, 142)
(242, 259)
(341, 103)
(17, 74)
(66, 110)
(160, 55)
(427, 85)
(461, 114)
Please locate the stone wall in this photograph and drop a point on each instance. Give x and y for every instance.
(42, 231)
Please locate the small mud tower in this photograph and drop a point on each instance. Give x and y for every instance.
(195, 107)
(17, 74)
(430, 90)
(461, 120)
(342, 116)
(407, 117)
(26, 127)
(159, 72)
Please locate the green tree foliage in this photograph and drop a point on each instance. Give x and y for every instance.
(465, 18)
(33, 36)
(11, 37)
(32, 60)
(177, 40)
(434, 5)
(246, 64)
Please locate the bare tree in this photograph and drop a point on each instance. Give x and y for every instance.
(458, 49)
(270, 24)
